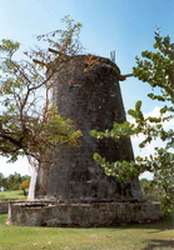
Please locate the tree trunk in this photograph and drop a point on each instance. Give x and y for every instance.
(33, 182)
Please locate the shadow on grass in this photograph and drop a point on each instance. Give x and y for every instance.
(166, 223)
(160, 244)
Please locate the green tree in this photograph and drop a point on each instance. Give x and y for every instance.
(13, 181)
(24, 186)
(2, 180)
(30, 124)
(149, 189)
(157, 69)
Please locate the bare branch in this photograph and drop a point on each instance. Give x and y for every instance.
(40, 63)
(53, 51)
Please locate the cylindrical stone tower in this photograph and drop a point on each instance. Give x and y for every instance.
(87, 91)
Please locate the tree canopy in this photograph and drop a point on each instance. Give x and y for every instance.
(30, 123)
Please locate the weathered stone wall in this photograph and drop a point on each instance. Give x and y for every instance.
(4, 205)
(84, 214)
(87, 91)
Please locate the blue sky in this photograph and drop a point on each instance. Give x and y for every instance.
(122, 25)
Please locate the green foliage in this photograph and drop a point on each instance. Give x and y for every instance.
(122, 170)
(30, 124)
(157, 69)
(65, 41)
(163, 166)
(13, 181)
(9, 47)
(150, 190)
(118, 130)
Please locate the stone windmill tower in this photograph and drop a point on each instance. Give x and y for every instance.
(87, 91)
(74, 190)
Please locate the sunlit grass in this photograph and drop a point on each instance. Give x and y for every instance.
(147, 237)
(12, 195)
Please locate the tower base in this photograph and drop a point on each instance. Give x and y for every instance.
(98, 214)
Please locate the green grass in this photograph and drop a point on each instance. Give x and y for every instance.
(147, 237)
(12, 195)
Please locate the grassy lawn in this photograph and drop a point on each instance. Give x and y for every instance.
(147, 237)
(12, 195)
